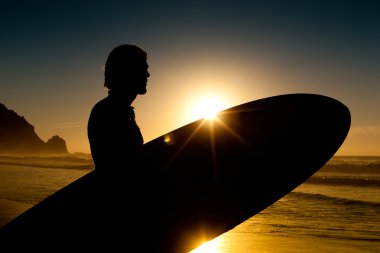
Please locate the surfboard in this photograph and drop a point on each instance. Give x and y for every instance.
(195, 183)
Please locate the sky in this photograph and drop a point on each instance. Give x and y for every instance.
(52, 55)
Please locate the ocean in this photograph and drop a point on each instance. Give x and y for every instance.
(336, 210)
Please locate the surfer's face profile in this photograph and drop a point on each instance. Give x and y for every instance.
(137, 78)
(126, 70)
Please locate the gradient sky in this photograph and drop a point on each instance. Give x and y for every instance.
(52, 54)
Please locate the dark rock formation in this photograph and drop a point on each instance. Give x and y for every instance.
(56, 145)
(17, 136)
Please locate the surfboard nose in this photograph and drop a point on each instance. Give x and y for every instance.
(295, 122)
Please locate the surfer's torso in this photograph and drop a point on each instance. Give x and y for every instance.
(114, 136)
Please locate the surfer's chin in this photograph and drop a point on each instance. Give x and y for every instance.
(142, 91)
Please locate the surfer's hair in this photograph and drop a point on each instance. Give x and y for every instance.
(121, 60)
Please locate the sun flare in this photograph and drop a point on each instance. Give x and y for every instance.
(207, 108)
(207, 247)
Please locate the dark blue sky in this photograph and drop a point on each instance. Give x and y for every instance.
(52, 53)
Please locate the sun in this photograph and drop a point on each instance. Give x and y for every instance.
(207, 108)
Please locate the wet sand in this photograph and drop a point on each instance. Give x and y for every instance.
(236, 241)
(10, 209)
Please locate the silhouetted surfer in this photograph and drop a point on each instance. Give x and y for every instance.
(115, 138)
(116, 142)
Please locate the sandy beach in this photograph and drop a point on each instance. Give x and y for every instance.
(338, 210)
(236, 241)
(10, 209)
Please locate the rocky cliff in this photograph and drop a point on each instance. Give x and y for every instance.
(17, 136)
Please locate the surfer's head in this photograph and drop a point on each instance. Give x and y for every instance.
(126, 70)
